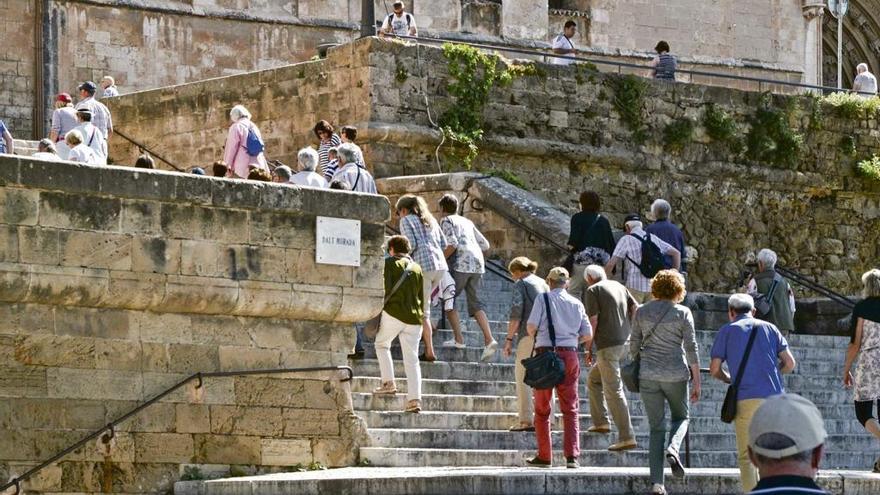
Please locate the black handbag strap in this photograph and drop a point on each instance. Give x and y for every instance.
(549, 325)
(403, 277)
(773, 288)
(742, 364)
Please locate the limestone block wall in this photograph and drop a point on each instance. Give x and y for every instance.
(115, 284)
(562, 134)
(188, 124)
(769, 33)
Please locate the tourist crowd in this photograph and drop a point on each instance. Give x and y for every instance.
(639, 319)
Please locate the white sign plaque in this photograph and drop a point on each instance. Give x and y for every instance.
(338, 241)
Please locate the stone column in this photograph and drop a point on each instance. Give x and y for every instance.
(813, 11)
(525, 19)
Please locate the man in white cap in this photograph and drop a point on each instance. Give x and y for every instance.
(565, 315)
(786, 442)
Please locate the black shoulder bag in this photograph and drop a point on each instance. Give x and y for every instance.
(545, 370)
(764, 303)
(728, 409)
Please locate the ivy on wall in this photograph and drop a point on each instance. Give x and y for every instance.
(770, 138)
(473, 75)
(869, 168)
(677, 134)
(629, 101)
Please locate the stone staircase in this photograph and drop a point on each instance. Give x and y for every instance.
(468, 406)
(459, 443)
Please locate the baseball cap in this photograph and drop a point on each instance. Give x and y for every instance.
(88, 86)
(632, 217)
(789, 415)
(558, 274)
(64, 97)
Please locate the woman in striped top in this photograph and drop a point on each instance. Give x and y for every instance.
(664, 64)
(328, 139)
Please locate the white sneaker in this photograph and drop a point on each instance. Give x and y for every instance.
(489, 351)
(453, 343)
(658, 489)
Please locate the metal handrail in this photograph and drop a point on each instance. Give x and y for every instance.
(621, 65)
(110, 427)
(143, 148)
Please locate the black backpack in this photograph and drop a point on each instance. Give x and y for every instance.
(652, 258)
(406, 15)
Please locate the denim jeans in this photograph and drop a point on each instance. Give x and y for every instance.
(655, 395)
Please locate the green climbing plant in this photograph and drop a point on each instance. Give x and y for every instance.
(771, 139)
(847, 145)
(721, 128)
(851, 106)
(629, 101)
(869, 168)
(473, 75)
(507, 176)
(677, 134)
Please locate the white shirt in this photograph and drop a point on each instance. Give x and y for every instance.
(93, 138)
(83, 154)
(45, 155)
(358, 178)
(100, 113)
(109, 92)
(399, 25)
(563, 43)
(308, 178)
(865, 83)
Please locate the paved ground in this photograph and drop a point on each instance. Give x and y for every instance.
(494, 480)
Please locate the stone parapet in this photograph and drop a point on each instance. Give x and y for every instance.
(118, 283)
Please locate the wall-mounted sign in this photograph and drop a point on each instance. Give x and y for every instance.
(338, 241)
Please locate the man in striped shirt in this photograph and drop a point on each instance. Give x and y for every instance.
(629, 251)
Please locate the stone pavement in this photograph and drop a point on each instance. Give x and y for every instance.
(499, 481)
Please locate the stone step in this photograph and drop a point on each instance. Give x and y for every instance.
(802, 378)
(474, 339)
(705, 336)
(24, 147)
(470, 356)
(503, 420)
(506, 440)
(414, 457)
(365, 401)
(499, 481)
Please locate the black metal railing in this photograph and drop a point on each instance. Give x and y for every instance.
(109, 431)
(628, 65)
(143, 148)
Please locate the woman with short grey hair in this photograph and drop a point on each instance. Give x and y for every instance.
(865, 345)
(237, 153)
(307, 159)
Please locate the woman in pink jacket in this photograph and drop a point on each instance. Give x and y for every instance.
(236, 153)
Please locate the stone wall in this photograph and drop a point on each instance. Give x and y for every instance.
(568, 136)
(116, 284)
(188, 124)
(17, 67)
(147, 44)
(565, 138)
